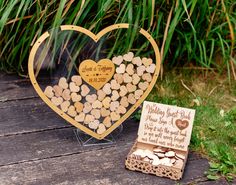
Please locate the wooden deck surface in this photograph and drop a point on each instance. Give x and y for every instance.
(39, 147)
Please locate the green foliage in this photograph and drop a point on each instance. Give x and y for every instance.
(198, 31)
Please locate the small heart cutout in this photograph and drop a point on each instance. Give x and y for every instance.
(181, 124)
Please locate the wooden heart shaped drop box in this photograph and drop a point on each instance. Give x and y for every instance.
(164, 134)
(90, 83)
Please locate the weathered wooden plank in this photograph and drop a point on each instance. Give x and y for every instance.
(105, 166)
(47, 142)
(36, 148)
(9, 92)
(30, 115)
(15, 78)
(51, 143)
(4, 77)
(27, 116)
(13, 87)
(17, 90)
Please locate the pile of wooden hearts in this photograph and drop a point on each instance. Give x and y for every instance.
(99, 110)
(160, 156)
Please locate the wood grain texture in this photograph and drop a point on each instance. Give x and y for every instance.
(81, 168)
(25, 116)
(50, 143)
(14, 91)
(37, 148)
(13, 87)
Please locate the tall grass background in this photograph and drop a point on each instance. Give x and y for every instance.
(194, 33)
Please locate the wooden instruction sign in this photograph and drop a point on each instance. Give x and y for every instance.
(166, 125)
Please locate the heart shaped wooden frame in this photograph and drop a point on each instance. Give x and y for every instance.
(95, 38)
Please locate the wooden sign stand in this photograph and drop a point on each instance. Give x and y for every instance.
(163, 139)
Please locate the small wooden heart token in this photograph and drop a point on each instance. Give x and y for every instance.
(57, 101)
(117, 60)
(66, 94)
(49, 92)
(94, 124)
(79, 106)
(77, 79)
(143, 85)
(120, 69)
(101, 95)
(146, 61)
(104, 112)
(73, 87)
(118, 78)
(107, 88)
(114, 105)
(65, 105)
(84, 90)
(115, 116)
(137, 61)
(71, 111)
(136, 79)
(128, 57)
(115, 85)
(75, 97)
(124, 101)
(63, 83)
(130, 69)
(91, 98)
(123, 91)
(80, 117)
(140, 70)
(101, 128)
(115, 95)
(107, 121)
(58, 90)
(127, 78)
(106, 102)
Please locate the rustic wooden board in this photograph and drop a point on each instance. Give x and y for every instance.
(4, 77)
(26, 116)
(15, 91)
(12, 88)
(37, 148)
(105, 166)
(51, 143)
